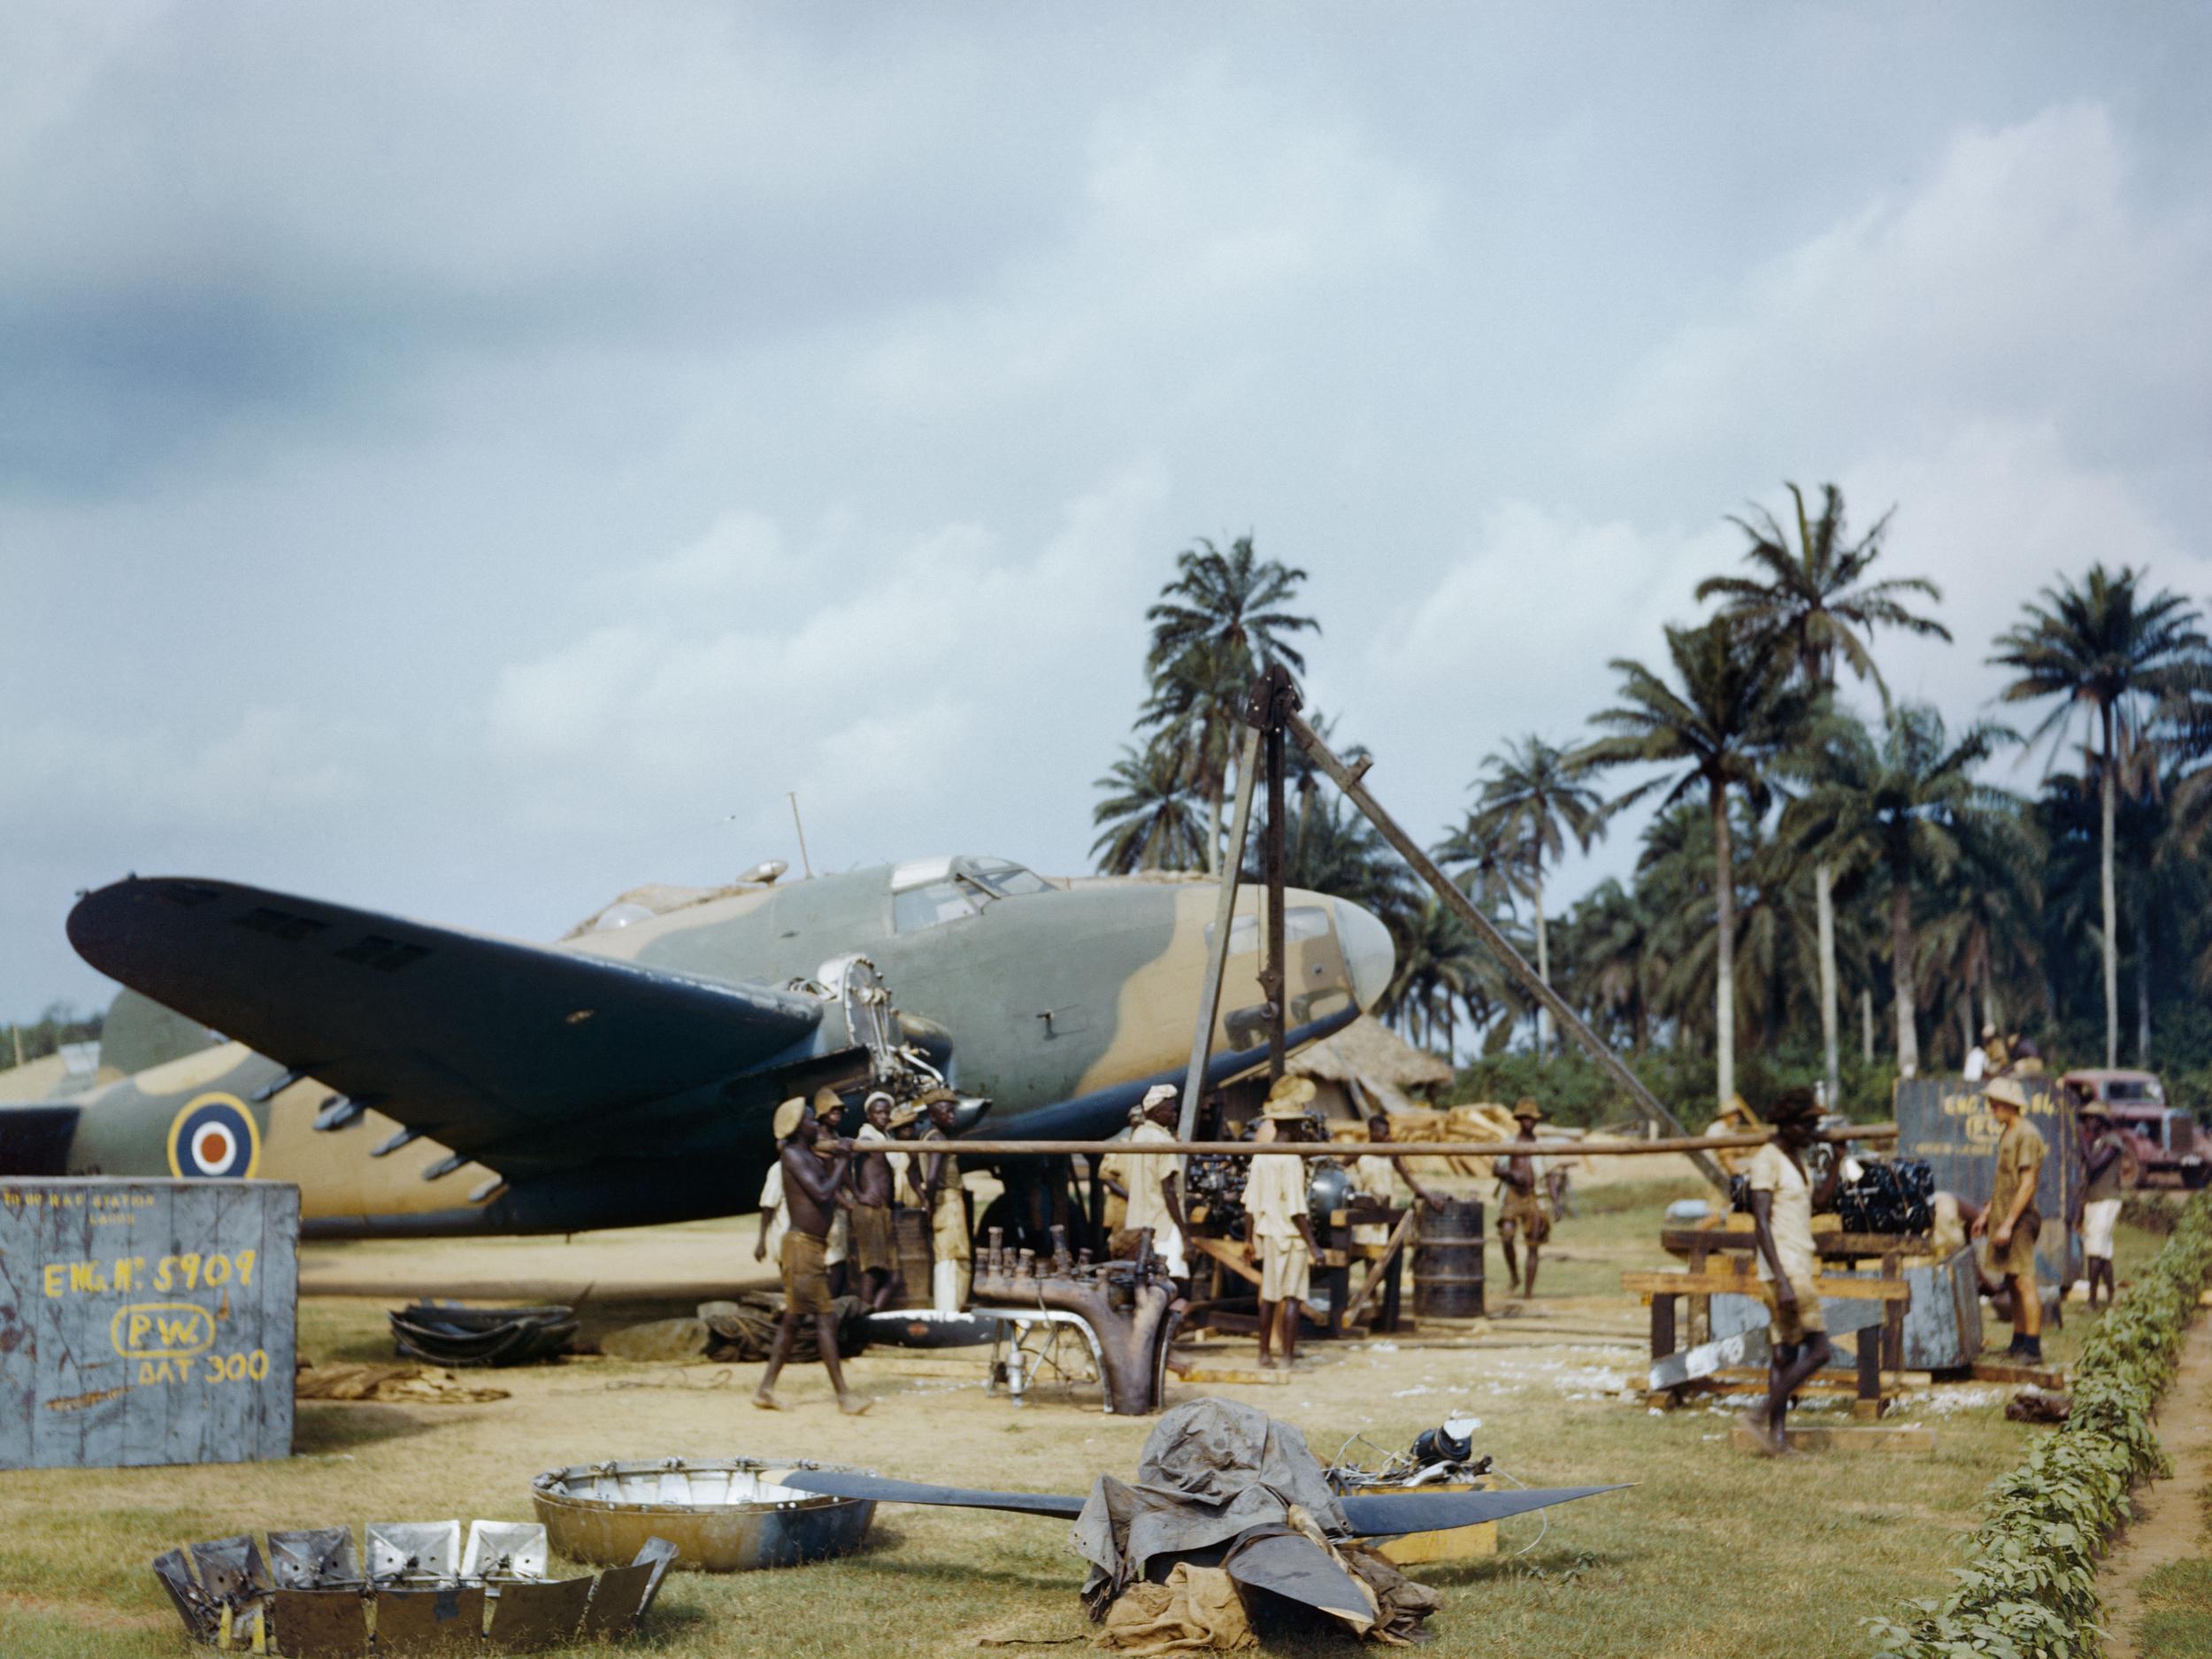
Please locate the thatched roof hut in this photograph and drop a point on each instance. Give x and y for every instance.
(1363, 1066)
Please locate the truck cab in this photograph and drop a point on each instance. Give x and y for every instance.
(2168, 1146)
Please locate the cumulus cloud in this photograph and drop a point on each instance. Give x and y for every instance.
(889, 674)
(2023, 277)
(471, 460)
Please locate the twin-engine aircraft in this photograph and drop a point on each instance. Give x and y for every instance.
(421, 1081)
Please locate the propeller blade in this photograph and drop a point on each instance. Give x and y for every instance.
(1370, 1514)
(836, 1483)
(1385, 1515)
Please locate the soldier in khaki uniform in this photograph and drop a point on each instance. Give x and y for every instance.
(950, 1243)
(1281, 1233)
(2012, 1221)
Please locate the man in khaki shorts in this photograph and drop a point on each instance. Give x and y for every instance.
(1527, 1213)
(811, 1185)
(1281, 1233)
(2012, 1220)
(1782, 1203)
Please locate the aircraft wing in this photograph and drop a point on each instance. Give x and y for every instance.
(473, 1040)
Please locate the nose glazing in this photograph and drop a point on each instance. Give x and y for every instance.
(1368, 952)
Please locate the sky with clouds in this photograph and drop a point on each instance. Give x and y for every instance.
(469, 460)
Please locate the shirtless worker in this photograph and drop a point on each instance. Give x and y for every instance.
(2012, 1220)
(809, 1194)
(947, 1202)
(874, 1246)
(1281, 1232)
(1526, 1215)
(1782, 1203)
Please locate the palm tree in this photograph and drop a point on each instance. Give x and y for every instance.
(1913, 797)
(1216, 626)
(1442, 969)
(1532, 799)
(1737, 706)
(1814, 603)
(1151, 822)
(2111, 651)
(1611, 930)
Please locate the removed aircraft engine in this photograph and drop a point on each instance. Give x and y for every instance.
(423, 1591)
(731, 1515)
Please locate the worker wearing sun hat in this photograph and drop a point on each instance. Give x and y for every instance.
(1281, 1231)
(813, 1167)
(1154, 1179)
(1525, 1216)
(2012, 1221)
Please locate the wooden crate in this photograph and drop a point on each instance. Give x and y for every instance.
(1451, 1543)
(146, 1321)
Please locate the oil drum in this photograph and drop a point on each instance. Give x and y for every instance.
(1447, 1262)
(910, 1229)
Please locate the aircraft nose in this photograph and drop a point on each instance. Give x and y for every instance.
(1368, 952)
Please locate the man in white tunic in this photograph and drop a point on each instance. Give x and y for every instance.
(1782, 1203)
(1154, 1180)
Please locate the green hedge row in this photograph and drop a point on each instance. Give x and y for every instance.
(2028, 1590)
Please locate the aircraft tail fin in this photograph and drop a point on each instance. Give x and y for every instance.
(140, 1033)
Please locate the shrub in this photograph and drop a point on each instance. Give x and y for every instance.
(2029, 1589)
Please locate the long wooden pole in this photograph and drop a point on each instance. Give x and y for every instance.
(1688, 1144)
(1645, 1101)
(1202, 1041)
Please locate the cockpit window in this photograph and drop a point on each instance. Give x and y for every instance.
(1004, 876)
(1299, 921)
(940, 902)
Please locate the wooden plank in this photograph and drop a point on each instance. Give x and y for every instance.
(1845, 1246)
(2001, 1371)
(1232, 1257)
(983, 1147)
(146, 1322)
(1902, 1437)
(1718, 1284)
(1228, 1374)
(1375, 1274)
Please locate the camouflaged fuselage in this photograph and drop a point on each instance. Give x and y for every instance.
(1060, 1007)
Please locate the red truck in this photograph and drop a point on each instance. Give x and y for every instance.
(2168, 1148)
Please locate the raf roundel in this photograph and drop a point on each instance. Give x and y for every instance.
(214, 1136)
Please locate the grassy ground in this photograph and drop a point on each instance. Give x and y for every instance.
(1784, 1557)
